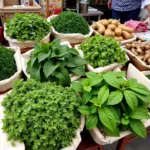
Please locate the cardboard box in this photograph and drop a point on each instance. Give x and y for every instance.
(9, 7)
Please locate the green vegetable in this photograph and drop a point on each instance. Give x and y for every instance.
(101, 51)
(7, 63)
(42, 115)
(113, 103)
(54, 62)
(27, 27)
(70, 22)
(148, 76)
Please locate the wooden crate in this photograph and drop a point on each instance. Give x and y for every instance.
(11, 2)
(7, 10)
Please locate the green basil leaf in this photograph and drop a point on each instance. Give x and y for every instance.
(77, 87)
(93, 109)
(78, 70)
(91, 75)
(103, 94)
(86, 97)
(42, 56)
(140, 88)
(85, 110)
(115, 98)
(144, 98)
(140, 114)
(125, 121)
(107, 118)
(131, 99)
(49, 67)
(91, 122)
(138, 128)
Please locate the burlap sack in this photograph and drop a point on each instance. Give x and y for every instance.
(7, 83)
(71, 38)
(99, 69)
(6, 145)
(26, 56)
(25, 44)
(133, 72)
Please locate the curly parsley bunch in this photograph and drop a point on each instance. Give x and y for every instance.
(70, 22)
(42, 115)
(7, 63)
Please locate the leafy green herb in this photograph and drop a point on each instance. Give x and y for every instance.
(25, 27)
(101, 51)
(113, 103)
(7, 63)
(70, 22)
(54, 62)
(42, 115)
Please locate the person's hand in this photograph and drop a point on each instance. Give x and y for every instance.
(109, 4)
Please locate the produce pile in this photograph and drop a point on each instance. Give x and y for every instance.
(141, 50)
(55, 62)
(42, 115)
(101, 51)
(70, 22)
(112, 103)
(113, 28)
(7, 63)
(27, 27)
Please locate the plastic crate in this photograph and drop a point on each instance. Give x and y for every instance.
(8, 9)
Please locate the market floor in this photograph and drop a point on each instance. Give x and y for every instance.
(138, 144)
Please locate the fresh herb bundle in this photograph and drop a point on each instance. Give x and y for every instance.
(113, 103)
(55, 62)
(70, 22)
(101, 51)
(42, 115)
(7, 63)
(27, 27)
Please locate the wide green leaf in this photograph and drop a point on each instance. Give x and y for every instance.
(138, 128)
(140, 88)
(91, 75)
(80, 70)
(107, 118)
(35, 72)
(77, 87)
(42, 56)
(140, 114)
(91, 121)
(103, 94)
(144, 98)
(85, 110)
(49, 67)
(131, 99)
(97, 80)
(115, 98)
(63, 75)
(86, 97)
(111, 80)
(93, 109)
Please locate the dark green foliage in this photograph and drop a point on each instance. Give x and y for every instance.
(113, 103)
(27, 27)
(54, 62)
(148, 76)
(70, 22)
(101, 51)
(7, 63)
(42, 115)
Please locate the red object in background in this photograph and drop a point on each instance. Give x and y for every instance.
(1, 35)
